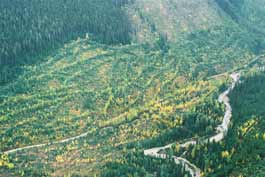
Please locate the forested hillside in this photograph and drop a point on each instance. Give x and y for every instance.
(128, 75)
(32, 28)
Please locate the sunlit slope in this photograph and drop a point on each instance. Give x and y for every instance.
(83, 86)
(121, 96)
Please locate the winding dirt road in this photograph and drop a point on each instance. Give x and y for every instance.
(221, 133)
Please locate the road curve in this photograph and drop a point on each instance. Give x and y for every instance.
(221, 133)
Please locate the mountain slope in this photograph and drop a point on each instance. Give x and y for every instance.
(172, 18)
(127, 97)
(177, 18)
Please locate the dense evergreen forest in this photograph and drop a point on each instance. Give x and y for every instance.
(30, 29)
(130, 75)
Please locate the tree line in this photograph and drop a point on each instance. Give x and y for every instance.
(31, 28)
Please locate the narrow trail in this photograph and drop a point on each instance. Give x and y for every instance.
(46, 144)
(221, 133)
